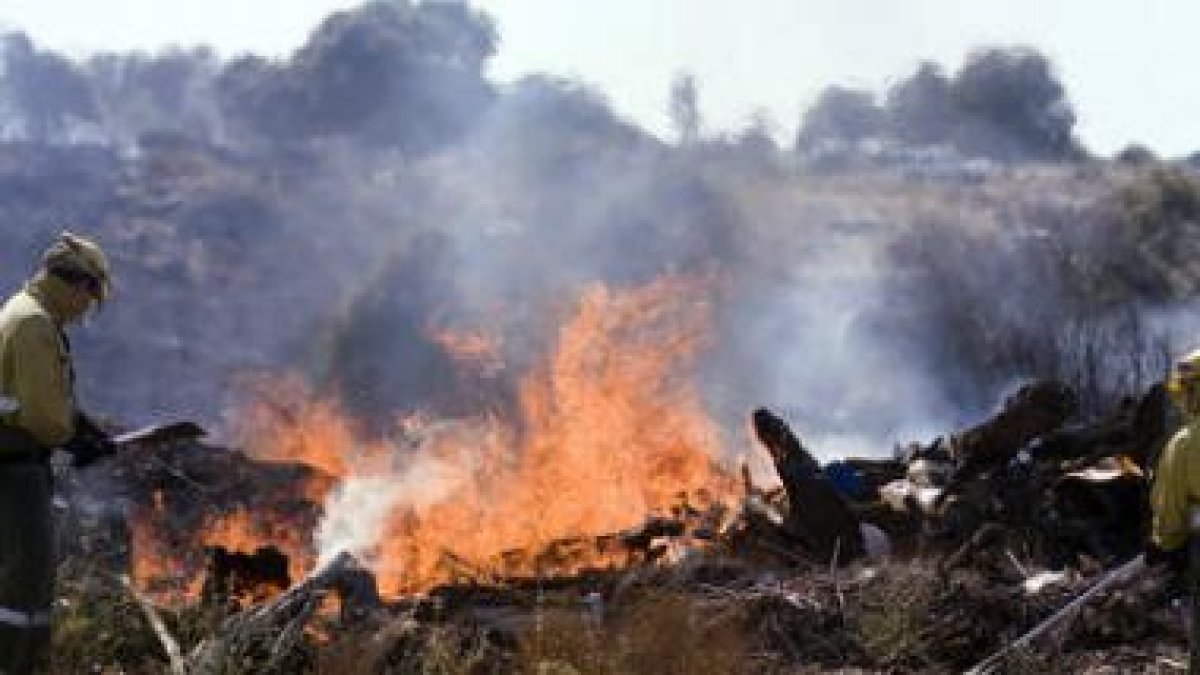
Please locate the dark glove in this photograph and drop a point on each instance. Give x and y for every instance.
(1176, 560)
(89, 444)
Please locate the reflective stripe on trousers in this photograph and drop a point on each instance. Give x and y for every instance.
(19, 619)
(26, 567)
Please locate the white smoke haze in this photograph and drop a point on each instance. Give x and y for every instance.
(893, 272)
(833, 373)
(357, 510)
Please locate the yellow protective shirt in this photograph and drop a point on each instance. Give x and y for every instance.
(35, 368)
(1176, 488)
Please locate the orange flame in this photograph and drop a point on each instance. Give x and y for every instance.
(610, 430)
(477, 349)
(242, 530)
(286, 424)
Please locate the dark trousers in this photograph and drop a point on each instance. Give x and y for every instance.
(27, 566)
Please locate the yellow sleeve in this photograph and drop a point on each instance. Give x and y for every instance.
(41, 383)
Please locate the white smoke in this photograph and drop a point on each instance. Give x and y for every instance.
(357, 510)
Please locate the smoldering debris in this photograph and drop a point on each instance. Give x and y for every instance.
(749, 584)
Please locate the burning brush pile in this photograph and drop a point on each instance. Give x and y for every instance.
(603, 525)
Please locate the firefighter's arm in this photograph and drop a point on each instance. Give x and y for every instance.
(41, 384)
(1169, 496)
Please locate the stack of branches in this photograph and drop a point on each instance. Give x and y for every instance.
(1066, 489)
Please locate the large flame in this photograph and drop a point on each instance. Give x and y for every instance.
(610, 430)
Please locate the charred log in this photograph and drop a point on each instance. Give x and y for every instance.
(641, 537)
(817, 516)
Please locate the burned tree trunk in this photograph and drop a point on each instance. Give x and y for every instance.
(817, 515)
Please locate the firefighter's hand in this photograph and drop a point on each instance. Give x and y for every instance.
(89, 444)
(1175, 560)
(87, 450)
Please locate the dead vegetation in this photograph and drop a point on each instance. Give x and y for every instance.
(897, 617)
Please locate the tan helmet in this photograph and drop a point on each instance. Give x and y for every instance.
(1183, 384)
(73, 257)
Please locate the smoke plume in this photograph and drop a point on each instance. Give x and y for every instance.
(340, 211)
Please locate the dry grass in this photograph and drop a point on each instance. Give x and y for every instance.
(904, 618)
(891, 614)
(406, 646)
(658, 632)
(99, 628)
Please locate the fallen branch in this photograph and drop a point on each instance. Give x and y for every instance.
(170, 645)
(837, 586)
(1120, 575)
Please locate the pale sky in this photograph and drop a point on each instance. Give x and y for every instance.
(1128, 66)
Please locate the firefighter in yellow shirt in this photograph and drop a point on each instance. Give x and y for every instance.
(1177, 476)
(37, 415)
